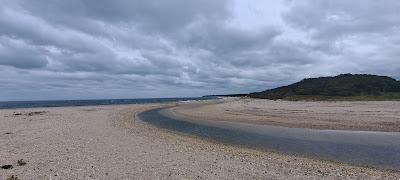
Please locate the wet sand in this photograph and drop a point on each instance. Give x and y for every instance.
(107, 142)
(341, 115)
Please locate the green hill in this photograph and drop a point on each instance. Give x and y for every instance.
(341, 87)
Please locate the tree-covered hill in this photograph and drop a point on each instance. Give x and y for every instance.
(345, 85)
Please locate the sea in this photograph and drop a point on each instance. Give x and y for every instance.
(65, 103)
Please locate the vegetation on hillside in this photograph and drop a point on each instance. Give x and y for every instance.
(341, 87)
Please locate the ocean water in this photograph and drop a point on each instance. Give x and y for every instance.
(64, 103)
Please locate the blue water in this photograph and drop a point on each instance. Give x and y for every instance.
(63, 103)
(375, 149)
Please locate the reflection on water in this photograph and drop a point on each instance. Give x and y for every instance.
(376, 149)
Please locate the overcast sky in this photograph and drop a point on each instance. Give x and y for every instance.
(86, 49)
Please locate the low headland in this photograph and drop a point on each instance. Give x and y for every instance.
(344, 87)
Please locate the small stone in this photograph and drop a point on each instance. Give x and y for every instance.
(13, 178)
(21, 162)
(8, 166)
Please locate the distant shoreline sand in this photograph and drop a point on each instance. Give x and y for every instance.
(108, 142)
(336, 115)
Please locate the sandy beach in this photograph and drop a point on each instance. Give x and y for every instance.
(340, 115)
(108, 142)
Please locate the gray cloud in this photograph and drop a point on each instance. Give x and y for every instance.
(354, 36)
(129, 48)
(334, 19)
(20, 55)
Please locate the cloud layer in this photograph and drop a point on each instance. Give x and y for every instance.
(130, 49)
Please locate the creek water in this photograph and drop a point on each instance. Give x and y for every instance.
(366, 148)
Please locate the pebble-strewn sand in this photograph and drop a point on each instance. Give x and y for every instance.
(106, 142)
(369, 116)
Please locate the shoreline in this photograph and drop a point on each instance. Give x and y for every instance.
(106, 142)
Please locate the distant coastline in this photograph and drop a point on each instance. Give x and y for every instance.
(94, 102)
